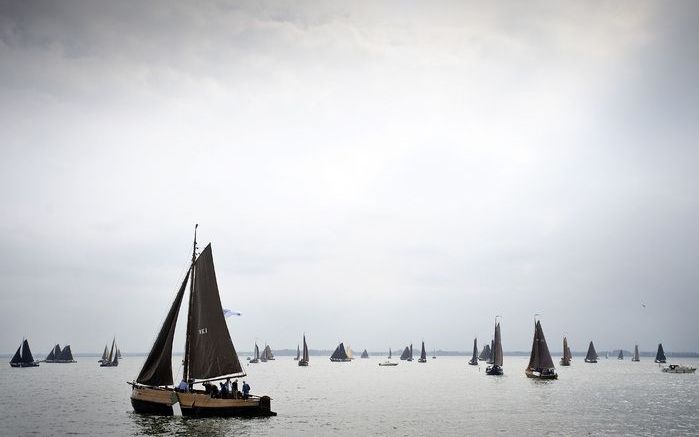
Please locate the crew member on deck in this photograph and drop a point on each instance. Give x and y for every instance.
(235, 389)
(183, 386)
(246, 390)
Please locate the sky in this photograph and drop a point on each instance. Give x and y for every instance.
(377, 173)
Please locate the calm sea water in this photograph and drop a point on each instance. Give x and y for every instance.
(444, 396)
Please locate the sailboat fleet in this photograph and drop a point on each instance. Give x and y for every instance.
(111, 360)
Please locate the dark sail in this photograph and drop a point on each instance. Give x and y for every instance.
(157, 370)
(305, 349)
(474, 358)
(591, 353)
(485, 353)
(27, 356)
(491, 352)
(621, 354)
(365, 354)
(411, 351)
(406, 354)
(17, 357)
(566, 350)
(118, 353)
(298, 352)
(104, 354)
(340, 353)
(66, 354)
(268, 353)
(636, 355)
(423, 355)
(52, 355)
(211, 352)
(257, 352)
(660, 356)
(497, 350)
(540, 357)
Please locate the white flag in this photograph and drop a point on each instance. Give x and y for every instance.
(227, 313)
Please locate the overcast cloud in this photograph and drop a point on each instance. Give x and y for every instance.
(374, 172)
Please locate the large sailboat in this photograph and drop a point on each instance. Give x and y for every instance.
(660, 355)
(209, 354)
(567, 356)
(112, 359)
(340, 354)
(423, 354)
(303, 362)
(474, 357)
(591, 356)
(636, 355)
(540, 362)
(496, 367)
(23, 357)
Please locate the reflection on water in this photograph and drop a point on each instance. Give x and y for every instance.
(187, 426)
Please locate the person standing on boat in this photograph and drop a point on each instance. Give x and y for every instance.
(246, 390)
(224, 390)
(234, 389)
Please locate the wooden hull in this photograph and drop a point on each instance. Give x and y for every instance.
(146, 400)
(536, 375)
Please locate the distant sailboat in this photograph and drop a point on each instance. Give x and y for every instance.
(267, 354)
(491, 353)
(365, 354)
(298, 353)
(66, 355)
(118, 353)
(340, 354)
(209, 354)
(406, 354)
(388, 362)
(112, 358)
(621, 355)
(540, 362)
(496, 367)
(304, 358)
(567, 356)
(256, 357)
(606, 355)
(105, 354)
(591, 356)
(636, 355)
(410, 358)
(434, 354)
(52, 356)
(474, 358)
(485, 353)
(423, 355)
(23, 357)
(660, 356)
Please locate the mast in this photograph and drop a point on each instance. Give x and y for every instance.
(185, 363)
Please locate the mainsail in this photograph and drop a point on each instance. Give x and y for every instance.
(305, 349)
(17, 357)
(257, 352)
(66, 354)
(660, 356)
(636, 355)
(27, 356)
(497, 347)
(423, 355)
(365, 354)
(540, 357)
(621, 354)
(267, 353)
(53, 354)
(406, 353)
(104, 354)
(210, 352)
(298, 352)
(474, 358)
(485, 353)
(591, 353)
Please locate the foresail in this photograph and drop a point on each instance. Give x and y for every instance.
(157, 370)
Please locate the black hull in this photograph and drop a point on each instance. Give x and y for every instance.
(661, 361)
(591, 361)
(421, 360)
(303, 363)
(494, 371)
(108, 365)
(473, 363)
(24, 364)
(340, 360)
(154, 408)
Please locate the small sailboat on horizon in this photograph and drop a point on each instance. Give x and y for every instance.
(540, 362)
(591, 356)
(365, 354)
(58, 355)
(474, 358)
(303, 362)
(621, 355)
(112, 359)
(660, 357)
(423, 355)
(567, 356)
(256, 356)
(495, 368)
(23, 357)
(298, 353)
(636, 355)
(388, 361)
